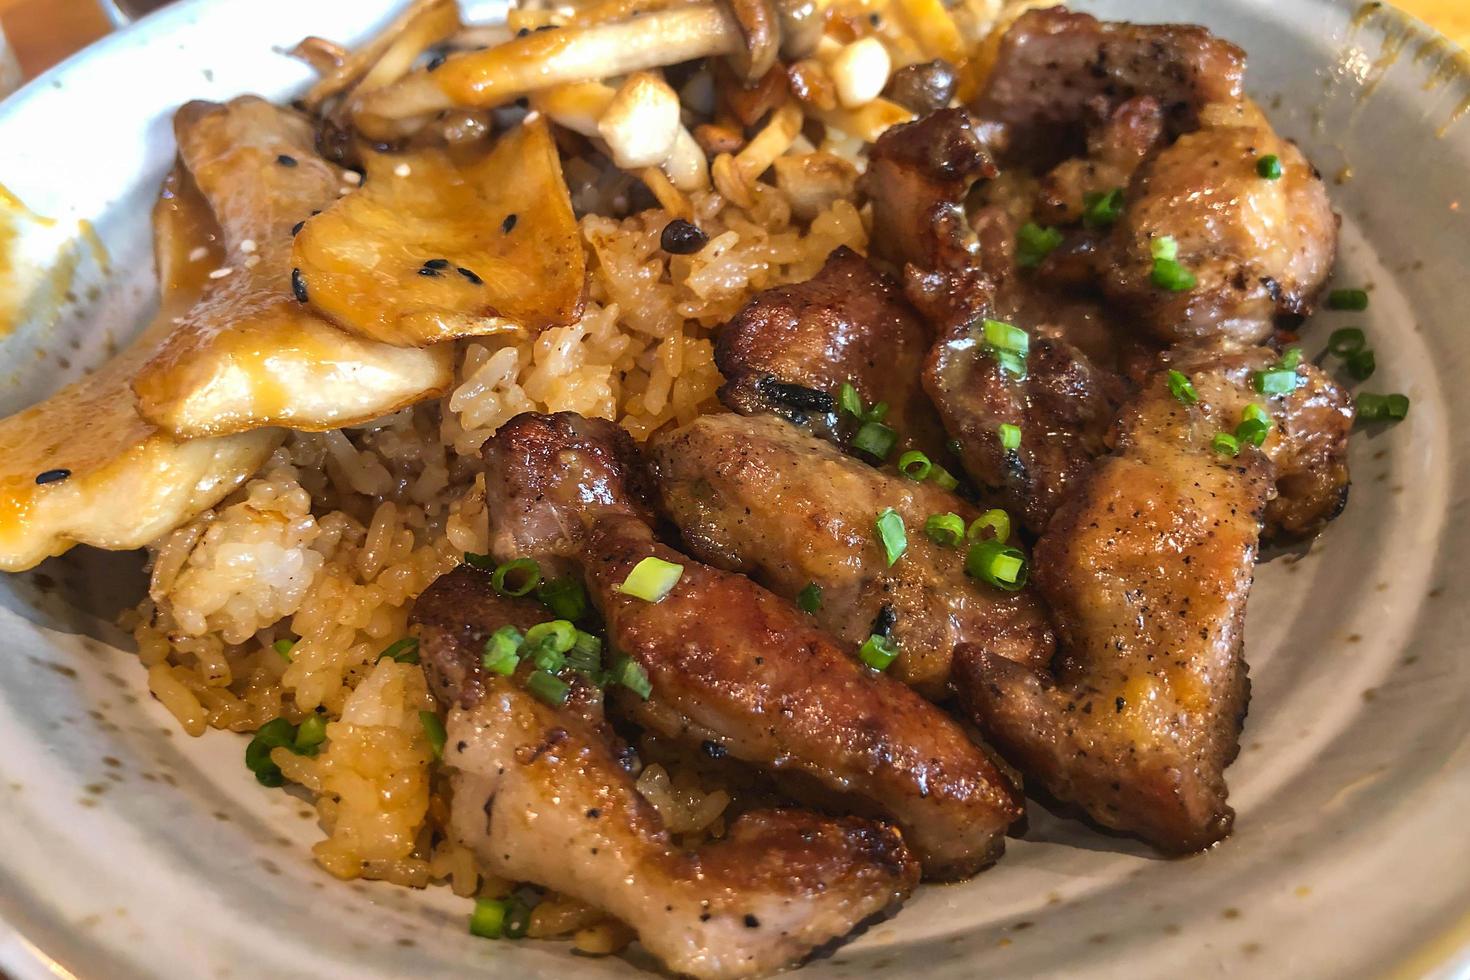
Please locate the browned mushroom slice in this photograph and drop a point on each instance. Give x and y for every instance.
(760, 29)
(440, 244)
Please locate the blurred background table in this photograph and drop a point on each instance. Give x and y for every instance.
(42, 32)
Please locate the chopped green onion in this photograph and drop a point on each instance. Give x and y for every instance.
(1164, 248)
(1254, 411)
(1348, 299)
(548, 687)
(404, 651)
(1291, 358)
(558, 635)
(652, 579)
(877, 413)
(1361, 364)
(891, 535)
(1281, 379)
(585, 656)
(996, 521)
(1225, 444)
(516, 578)
(809, 599)
(488, 919)
(517, 919)
(565, 597)
(1034, 243)
(914, 465)
(502, 651)
(310, 734)
(1168, 274)
(1182, 388)
(875, 439)
(434, 732)
(1004, 336)
(1102, 209)
(945, 529)
(1269, 166)
(1348, 340)
(997, 564)
(630, 674)
(1010, 436)
(283, 647)
(483, 562)
(1252, 432)
(943, 478)
(278, 733)
(878, 652)
(848, 399)
(1382, 408)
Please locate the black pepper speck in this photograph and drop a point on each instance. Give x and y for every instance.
(286, 161)
(296, 228)
(298, 286)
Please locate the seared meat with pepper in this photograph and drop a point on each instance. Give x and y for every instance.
(1147, 568)
(758, 497)
(545, 795)
(733, 664)
(792, 347)
(1057, 70)
(1257, 246)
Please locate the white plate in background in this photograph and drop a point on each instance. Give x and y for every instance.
(129, 850)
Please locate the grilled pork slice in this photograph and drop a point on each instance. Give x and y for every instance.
(251, 353)
(1057, 70)
(546, 795)
(791, 348)
(753, 495)
(735, 665)
(1146, 569)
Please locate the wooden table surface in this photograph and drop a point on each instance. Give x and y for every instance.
(42, 32)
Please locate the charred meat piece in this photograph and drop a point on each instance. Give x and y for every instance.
(1064, 407)
(1257, 247)
(790, 349)
(1116, 148)
(735, 665)
(757, 497)
(1056, 70)
(918, 177)
(1147, 568)
(545, 795)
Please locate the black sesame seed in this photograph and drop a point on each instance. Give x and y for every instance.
(680, 237)
(286, 161)
(296, 228)
(508, 223)
(51, 476)
(469, 275)
(427, 271)
(751, 922)
(437, 264)
(593, 813)
(298, 285)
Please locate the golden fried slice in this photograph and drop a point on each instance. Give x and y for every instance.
(442, 244)
(83, 467)
(251, 353)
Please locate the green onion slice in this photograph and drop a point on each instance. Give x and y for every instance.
(488, 919)
(1102, 209)
(996, 521)
(548, 687)
(1182, 388)
(945, 529)
(1252, 432)
(483, 562)
(1225, 444)
(565, 597)
(1005, 337)
(997, 564)
(809, 599)
(1034, 243)
(283, 647)
(502, 651)
(310, 734)
(878, 652)
(652, 579)
(877, 413)
(585, 656)
(434, 732)
(630, 674)
(516, 578)
(1382, 408)
(1010, 436)
(914, 465)
(1361, 364)
(1348, 299)
(557, 635)
(1254, 411)
(404, 651)
(1269, 167)
(875, 439)
(943, 478)
(1348, 340)
(849, 400)
(891, 535)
